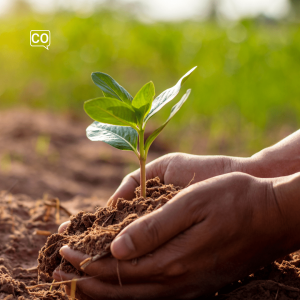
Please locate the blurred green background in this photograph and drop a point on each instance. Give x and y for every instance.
(245, 91)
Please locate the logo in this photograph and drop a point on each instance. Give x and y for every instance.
(40, 38)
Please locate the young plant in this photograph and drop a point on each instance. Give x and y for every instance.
(121, 119)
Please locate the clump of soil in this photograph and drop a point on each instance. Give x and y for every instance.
(92, 233)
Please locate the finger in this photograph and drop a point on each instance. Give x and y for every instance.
(107, 269)
(63, 226)
(95, 289)
(67, 290)
(149, 232)
(73, 256)
(126, 190)
(59, 275)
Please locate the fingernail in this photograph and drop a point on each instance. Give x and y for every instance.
(122, 247)
(64, 251)
(63, 226)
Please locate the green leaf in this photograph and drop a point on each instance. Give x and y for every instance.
(120, 137)
(111, 111)
(110, 87)
(165, 97)
(143, 100)
(174, 110)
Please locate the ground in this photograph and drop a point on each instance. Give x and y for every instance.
(44, 157)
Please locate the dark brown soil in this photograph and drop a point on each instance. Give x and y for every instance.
(92, 233)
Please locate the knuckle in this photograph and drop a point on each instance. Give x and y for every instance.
(240, 177)
(175, 269)
(130, 178)
(127, 177)
(240, 183)
(174, 155)
(167, 161)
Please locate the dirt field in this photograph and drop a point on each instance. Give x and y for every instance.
(43, 157)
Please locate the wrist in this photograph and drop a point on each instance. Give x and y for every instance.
(267, 163)
(271, 163)
(287, 195)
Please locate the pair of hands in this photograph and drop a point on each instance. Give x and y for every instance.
(221, 228)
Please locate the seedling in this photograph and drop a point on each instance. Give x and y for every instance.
(120, 119)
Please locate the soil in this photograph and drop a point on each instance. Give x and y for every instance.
(21, 222)
(92, 233)
(44, 157)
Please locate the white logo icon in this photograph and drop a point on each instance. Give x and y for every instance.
(40, 38)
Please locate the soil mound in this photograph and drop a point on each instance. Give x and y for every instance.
(92, 233)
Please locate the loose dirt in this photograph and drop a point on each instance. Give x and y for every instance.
(22, 220)
(45, 156)
(92, 233)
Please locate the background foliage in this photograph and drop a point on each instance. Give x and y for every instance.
(245, 91)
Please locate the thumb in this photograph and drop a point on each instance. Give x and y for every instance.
(126, 188)
(149, 232)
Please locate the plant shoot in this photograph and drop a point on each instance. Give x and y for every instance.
(120, 119)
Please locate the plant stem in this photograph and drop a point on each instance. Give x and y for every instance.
(142, 164)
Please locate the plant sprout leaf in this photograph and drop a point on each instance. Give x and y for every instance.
(165, 97)
(143, 100)
(110, 87)
(120, 137)
(174, 110)
(111, 111)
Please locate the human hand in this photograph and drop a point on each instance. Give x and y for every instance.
(180, 169)
(210, 234)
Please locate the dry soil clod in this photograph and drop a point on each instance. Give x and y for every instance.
(93, 233)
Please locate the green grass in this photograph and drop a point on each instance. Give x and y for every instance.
(242, 93)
